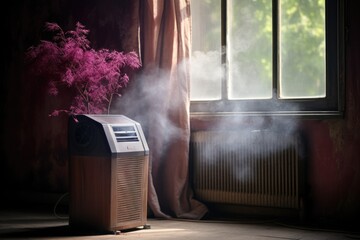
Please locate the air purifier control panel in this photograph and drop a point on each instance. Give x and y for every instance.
(126, 138)
(125, 134)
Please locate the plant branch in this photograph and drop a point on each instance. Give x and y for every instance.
(70, 56)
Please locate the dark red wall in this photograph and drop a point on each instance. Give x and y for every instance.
(34, 147)
(335, 160)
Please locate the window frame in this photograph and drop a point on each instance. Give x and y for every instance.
(330, 106)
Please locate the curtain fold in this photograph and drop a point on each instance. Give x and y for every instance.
(165, 40)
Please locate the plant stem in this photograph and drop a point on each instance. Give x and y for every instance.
(109, 104)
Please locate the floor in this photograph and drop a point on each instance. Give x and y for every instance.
(46, 223)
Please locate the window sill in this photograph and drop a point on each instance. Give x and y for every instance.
(287, 114)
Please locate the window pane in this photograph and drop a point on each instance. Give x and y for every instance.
(249, 26)
(206, 69)
(302, 49)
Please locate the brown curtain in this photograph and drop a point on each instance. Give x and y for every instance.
(160, 100)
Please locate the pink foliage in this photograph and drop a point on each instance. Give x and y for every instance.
(67, 60)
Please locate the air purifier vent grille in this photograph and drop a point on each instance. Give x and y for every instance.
(130, 180)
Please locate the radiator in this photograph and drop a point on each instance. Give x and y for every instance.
(252, 168)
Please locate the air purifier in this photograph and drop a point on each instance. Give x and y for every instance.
(108, 173)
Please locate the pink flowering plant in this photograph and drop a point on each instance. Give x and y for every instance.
(68, 61)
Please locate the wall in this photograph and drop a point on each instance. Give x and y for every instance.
(335, 161)
(34, 147)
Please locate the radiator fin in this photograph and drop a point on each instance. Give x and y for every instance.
(248, 168)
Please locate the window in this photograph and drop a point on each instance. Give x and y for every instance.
(267, 57)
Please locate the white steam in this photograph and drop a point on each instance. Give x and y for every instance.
(244, 139)
(150, 101)
(208, 71)
(154, 97)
